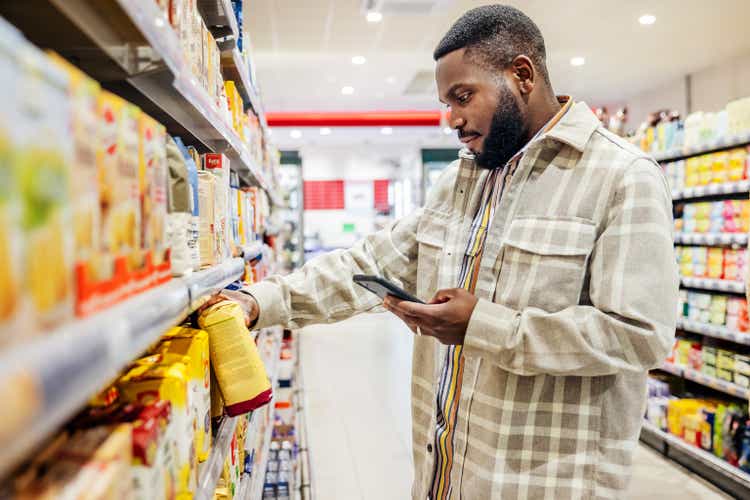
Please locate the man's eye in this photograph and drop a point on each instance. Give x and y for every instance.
(463, 98)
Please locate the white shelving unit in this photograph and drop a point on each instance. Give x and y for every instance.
(739, 187)
(69, 365)
(711, 239)
(729, 477)
(712, 382)
(717, 145)
(714, 284)
(716, 331)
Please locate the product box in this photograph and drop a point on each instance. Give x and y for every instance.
(218, 165)
(725, 360)
(742, 364)
(43, 174)
(207, 228)
(724, 374)
(153, 174)
(193, 345)
(709, 370)
(145, 383)
(742, 380)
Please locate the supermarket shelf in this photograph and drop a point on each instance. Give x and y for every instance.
(129, 46)
(717, 145)
(716, 331)
(56, 374)
(712, 239)
(713, 284)
(739, 187)
(712, 382)
(243, 492)
(211, 469)
(257, 479)
(219, 18)
(731, 479)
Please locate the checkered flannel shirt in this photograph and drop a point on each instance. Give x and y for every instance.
(577, 301)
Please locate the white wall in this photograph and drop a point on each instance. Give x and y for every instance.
(710, 90)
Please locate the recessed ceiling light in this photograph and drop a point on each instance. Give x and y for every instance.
(347, 90)
(447, 131)
(386, 130)
(374, 17)
(295, 134)
(577, 61)
(359, 60)
(647, 19)
(390, 80)
(325, 131)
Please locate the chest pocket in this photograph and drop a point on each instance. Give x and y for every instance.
(431, 232)
(544, 262)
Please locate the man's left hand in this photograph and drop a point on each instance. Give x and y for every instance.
(446, 317)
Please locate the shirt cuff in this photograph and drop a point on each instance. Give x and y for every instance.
(270, 304)
(490, 330)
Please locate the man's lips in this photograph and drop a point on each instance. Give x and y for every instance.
(466, 139)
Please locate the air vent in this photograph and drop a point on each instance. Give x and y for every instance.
(422, 83)
(405, 7)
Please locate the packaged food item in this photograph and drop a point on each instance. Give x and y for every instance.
(207, 228)
(239, 370)
(218, 165)
(217, 402)
(145, 383)
(193, 344)
(119, 182)
(11, 235)
(153, 190)
(737, 164)
(43, 171)
(192, 169)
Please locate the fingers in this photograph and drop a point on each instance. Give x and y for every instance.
(445, 295)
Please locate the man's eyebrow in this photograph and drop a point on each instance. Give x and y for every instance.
(451, 91)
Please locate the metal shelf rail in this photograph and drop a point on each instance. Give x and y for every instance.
(739, 187)
(711, 239)
(717, 145)
(53, 376)
(726, 476)
(714, 284)
(712, 382)
(716, 331)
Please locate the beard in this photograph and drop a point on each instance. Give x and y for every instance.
(507, 133)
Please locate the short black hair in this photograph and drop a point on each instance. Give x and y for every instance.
(494, 35)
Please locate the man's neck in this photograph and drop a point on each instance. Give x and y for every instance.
(541, 113)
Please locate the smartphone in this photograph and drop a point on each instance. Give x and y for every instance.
(381, 287)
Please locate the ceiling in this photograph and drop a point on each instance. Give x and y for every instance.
(303, 48)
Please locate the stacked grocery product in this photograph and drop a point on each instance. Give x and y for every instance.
(722, 310)
(727, 216)
(710, 358)
(716, 426)
(709, 169)
(700, 128)
(152, 426)
(727, 264)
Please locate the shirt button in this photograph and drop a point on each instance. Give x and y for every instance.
(429, 448)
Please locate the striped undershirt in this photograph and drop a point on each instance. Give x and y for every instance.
(449, 387)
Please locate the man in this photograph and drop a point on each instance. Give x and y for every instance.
(546, 252)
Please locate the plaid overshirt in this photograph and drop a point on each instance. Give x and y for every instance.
(577, 297)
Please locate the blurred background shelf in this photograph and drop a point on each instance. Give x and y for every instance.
(716, 331)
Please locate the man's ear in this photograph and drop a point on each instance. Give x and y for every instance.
(524, 74)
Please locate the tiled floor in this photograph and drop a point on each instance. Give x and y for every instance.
(356, 378)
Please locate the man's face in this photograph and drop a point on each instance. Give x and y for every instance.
(485, 108)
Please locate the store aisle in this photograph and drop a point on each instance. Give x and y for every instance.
(356, 376)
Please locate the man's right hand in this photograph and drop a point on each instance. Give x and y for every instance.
(247, 302)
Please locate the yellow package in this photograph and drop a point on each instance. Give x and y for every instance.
(152, 175)
(168, 382)
(736, 165)
(84, 95)
(217, 402)
(720, 167)
(43, 176)
(705, 174)
(239, 370)
(193, 344)
(118, 180)
(715, 262)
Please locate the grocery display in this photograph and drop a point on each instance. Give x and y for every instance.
(115, 231)
(705, 160)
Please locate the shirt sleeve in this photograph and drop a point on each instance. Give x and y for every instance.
(322, 291)
(633, 290)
